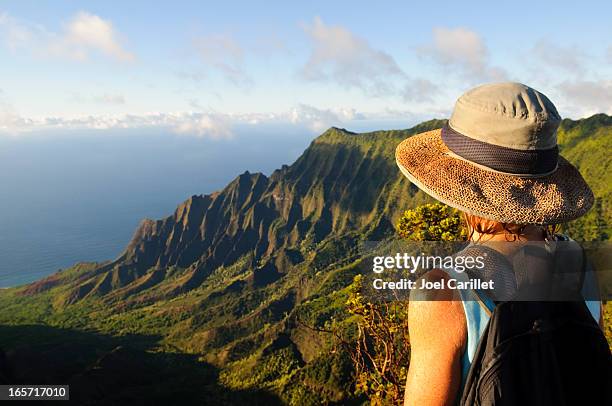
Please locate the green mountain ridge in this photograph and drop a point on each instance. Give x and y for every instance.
(232, 277)
(273, 220)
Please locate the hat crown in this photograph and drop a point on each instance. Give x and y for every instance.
(510, 115)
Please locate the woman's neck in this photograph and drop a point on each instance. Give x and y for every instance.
(530, 233)
(505, 244)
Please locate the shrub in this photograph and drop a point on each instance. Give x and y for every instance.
(431, 222)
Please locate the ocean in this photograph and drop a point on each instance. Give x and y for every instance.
(78, 195)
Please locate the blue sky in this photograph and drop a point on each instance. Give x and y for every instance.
(206, 68)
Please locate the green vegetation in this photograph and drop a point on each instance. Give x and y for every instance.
(587, 144)
(431, 222)
(380, 350)
(229, 295)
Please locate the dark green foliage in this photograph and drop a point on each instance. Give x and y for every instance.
(103, 369)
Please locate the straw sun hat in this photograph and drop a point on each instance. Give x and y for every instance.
(498, 158)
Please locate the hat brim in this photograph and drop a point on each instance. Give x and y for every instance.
(551, 199)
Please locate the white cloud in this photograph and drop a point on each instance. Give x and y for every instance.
(214, 126)
(568, 58)
(14, 33)
(226, 55)
(463, 50)
(587, 97)
(10, 121)
(339, 56)
(222, 53)
(420, 90)
(86, 32)
(110, 99)
(319, 119)
(82, 36)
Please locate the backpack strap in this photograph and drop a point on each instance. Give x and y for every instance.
(477, 316)
(484, 301)
(477, 308)
(477, 295)
(588, 280)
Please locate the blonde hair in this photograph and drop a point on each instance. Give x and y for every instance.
(512, 232)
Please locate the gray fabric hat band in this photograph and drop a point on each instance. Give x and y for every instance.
(535, 162)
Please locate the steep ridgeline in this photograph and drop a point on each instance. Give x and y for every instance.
(236, 276)
(344, 182)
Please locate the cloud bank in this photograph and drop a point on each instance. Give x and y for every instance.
(212, 125)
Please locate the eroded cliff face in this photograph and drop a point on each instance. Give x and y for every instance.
(344, 182)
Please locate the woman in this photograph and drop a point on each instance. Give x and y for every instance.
(497, 161)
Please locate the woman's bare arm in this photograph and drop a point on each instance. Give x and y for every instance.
(437, 339)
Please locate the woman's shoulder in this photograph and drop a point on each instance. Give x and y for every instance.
(437, 313)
